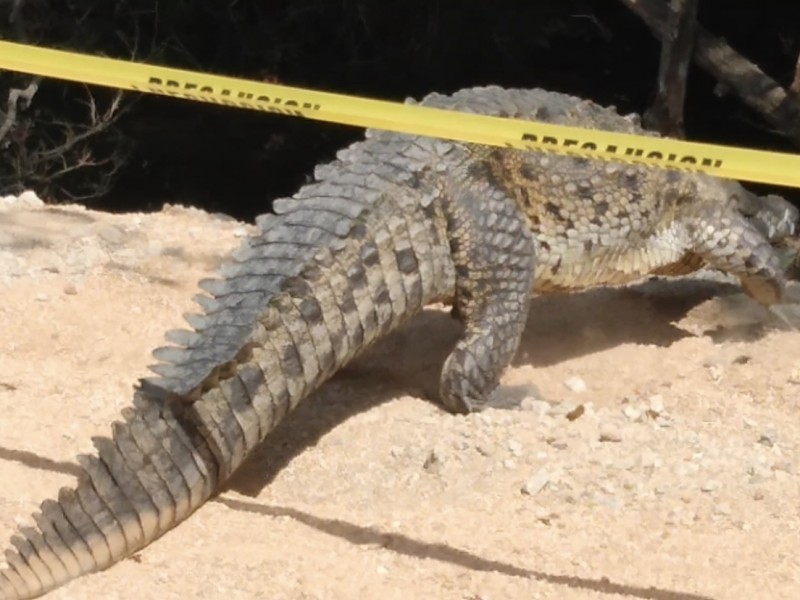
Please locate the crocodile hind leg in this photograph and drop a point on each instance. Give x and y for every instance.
(493, 256)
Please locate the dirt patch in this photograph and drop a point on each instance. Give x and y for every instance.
(655, 456)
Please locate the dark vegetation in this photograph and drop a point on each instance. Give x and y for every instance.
(123, 152)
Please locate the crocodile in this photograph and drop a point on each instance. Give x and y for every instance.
(394, 223)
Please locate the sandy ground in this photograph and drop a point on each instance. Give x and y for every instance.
(656, 454)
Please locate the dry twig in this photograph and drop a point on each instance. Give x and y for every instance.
(781, 108)
(48, 157)
(17, 97)
(795, 87)
(666, 113)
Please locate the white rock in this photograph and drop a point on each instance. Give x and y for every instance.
(536, 483)
(515, 447)
(722, 509)
(768, 438)
(633, 413)
(657, 404)
(649, 460)
(538, 407)
(575, 384)
(29, 199)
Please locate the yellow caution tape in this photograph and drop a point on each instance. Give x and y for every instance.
(721, 161)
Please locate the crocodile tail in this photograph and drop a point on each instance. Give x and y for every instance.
(151, 474)
(171, 450)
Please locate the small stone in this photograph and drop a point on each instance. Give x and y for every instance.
(538, 407)
(557, 443)
(715, 372)
(29, 199)
(722, 509)
(433, 463)
(632, 413)
(759, 473)
(460, 445)
(42, 297)
(111, 234)
(649, 460)
(663, 421)
(536, 483)
(484, 450)
(680, 516)
(51, 263)
(515, 447)
(768, 438)
(656, 405)
(608, 487)
(564, 408)
(712, 485)
(509, 464)
(575, 413)
(70, 289)
(155, 247)
(485, 418)
(609, 434)
(546, 517)
(612, 503)
(11, 265)
(575, 384)
(557, 475)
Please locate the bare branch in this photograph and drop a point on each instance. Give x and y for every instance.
(98, 122)
(666, 113)
(759, 91)
(795, 87)
(17, 97)
(59, 157)
(15, 19)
